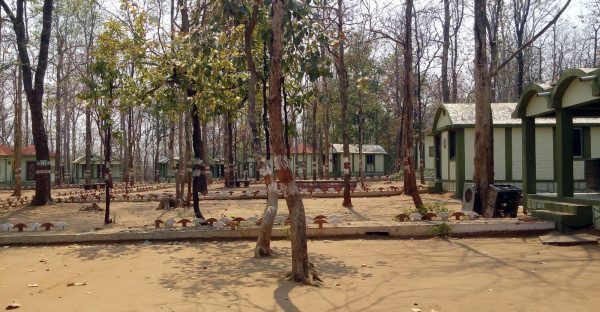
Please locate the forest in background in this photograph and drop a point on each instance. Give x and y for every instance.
(144, 49)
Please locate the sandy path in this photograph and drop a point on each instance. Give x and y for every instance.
(360, 275)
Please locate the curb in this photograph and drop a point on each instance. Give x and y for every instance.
(419, 229)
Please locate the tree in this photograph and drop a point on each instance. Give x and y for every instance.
(521, 9)
(484, 140)
(445, 49)
(410, 179)
(263, 243)
(301, 268)
(342, 73)
(34, 90)
(18, 133)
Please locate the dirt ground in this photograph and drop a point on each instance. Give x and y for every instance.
(495, 274)
(143, 214)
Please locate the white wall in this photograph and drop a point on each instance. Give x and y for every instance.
(578, 92)
(429, 157)
(499, 154)
(595, 137)
(300, 160)
(578, 169)
(379, 162)
(544, 154)
(469, 153)
(452, 168)
(444, 120)
(517, 153)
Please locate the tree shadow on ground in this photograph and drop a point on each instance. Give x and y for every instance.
(469, 256)
(215, 274)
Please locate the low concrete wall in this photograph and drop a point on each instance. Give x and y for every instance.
(349, 229)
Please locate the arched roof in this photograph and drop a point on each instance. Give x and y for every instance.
(575, 87)
(463, 115)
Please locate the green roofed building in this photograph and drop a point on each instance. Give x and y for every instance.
(573, 102)
(451, 146)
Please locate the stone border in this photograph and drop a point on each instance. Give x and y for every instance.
(350, 229)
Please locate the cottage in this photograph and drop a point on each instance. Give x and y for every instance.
(451, 145)
(28, 164)
(573, 102)
(6, 167)
(164, 171)
(374, 159)
(96, 163)
(303, 155)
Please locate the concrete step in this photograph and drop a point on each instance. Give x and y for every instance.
(568, 207)
(563, 220)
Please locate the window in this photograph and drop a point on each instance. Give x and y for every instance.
(577, 142)
(431, 151)
(370, 159)
(451, 144)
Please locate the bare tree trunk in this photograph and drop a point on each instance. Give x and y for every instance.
(399, 106)
(188, 156)
(410, 180)
(18, 133)
(484, 140)
(314, 140)
(458, 12)
(179, 183)
(205, 157)
(107, 169)
(171, 151)
(263, 243)
(70, 135)
(230, 148)
(33, 84)
(130, 145)
(343, 78)
(59, 109)
(248, 40)
(301, 268)
(226, 135)
(361, 170)
(158, 133)
(198, 173)
(303, 143)
(125, 159)
(445, 48)
(492, 32)
(327, 108)
(88, 146)
(520, 17)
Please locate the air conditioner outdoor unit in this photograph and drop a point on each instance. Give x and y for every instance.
(468, 197)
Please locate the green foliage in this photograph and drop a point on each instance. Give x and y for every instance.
(422, 210)
(442, 230)
(435, 207)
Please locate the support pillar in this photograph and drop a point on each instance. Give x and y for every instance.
(460, 162)
(529, 169)
(564, 152)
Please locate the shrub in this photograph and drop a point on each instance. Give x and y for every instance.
(441, 230)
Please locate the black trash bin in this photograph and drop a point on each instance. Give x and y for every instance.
(504, 199)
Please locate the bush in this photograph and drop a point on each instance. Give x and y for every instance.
(441, 230)
(436, 207)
